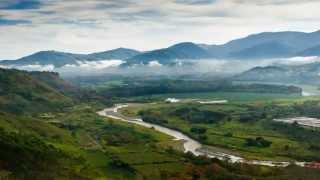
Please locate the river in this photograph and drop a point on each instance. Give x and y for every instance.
(190, 145)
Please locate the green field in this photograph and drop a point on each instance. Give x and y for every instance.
(110, 149)
(51, 130)
(94, 147)
(230, 96)
(231, 132)
(101, 140)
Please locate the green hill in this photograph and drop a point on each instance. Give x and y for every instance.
(22, 92)
(47, 132)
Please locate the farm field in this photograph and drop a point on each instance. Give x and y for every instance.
(229, 96)
(110, 149)
(42, 138)
(245, 118)
(101, 141)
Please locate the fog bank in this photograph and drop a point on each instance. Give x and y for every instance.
(175, 68)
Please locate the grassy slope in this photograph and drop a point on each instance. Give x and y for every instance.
(20, 92)
(35, 106)
(53, 138)
(102, 139)
(88, 143)
(143, 149)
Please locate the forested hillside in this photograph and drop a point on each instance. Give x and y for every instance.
(31, 92)
(50, 130)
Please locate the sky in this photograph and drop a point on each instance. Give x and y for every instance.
(85, 26)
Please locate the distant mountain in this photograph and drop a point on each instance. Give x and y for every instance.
(185, 50)
(189, 50)
(59, 59)
(297, 41)
(313, 51)
(120, 53)
(302, 74)
(269, 73)
(257, 46)
(286, 37)
(55, 58)
(265, 50)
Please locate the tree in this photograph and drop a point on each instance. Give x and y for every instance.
(258, 142)
(198, 130)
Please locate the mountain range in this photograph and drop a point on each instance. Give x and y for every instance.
(59, 59)
(257, 46)
(300, 74)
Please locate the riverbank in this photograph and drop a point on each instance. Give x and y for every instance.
(190, 145)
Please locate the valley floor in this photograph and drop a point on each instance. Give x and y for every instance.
(244, 120)
(190, 145)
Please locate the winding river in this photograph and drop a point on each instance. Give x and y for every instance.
(190, 145)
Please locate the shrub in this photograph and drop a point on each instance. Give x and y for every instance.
(229, 134)
(198, 130)
(195, 115)
(152, 118)
(119, 164)
(258, 142)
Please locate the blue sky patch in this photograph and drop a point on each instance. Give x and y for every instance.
(11, 22)
(20, 4)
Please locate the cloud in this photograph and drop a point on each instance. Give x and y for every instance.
(90, 68)
(100, 64)
(212, 67)
(36, 67)
(206, 67)
(98, 25)
(296, 61)
(273, 2)
(154, 64)
(195, 2)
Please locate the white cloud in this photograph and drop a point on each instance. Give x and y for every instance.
(295, 61)
(100, 64)
(192, 67)
(35, 67)
(154, 64)
(4, 67)
(96, 25)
